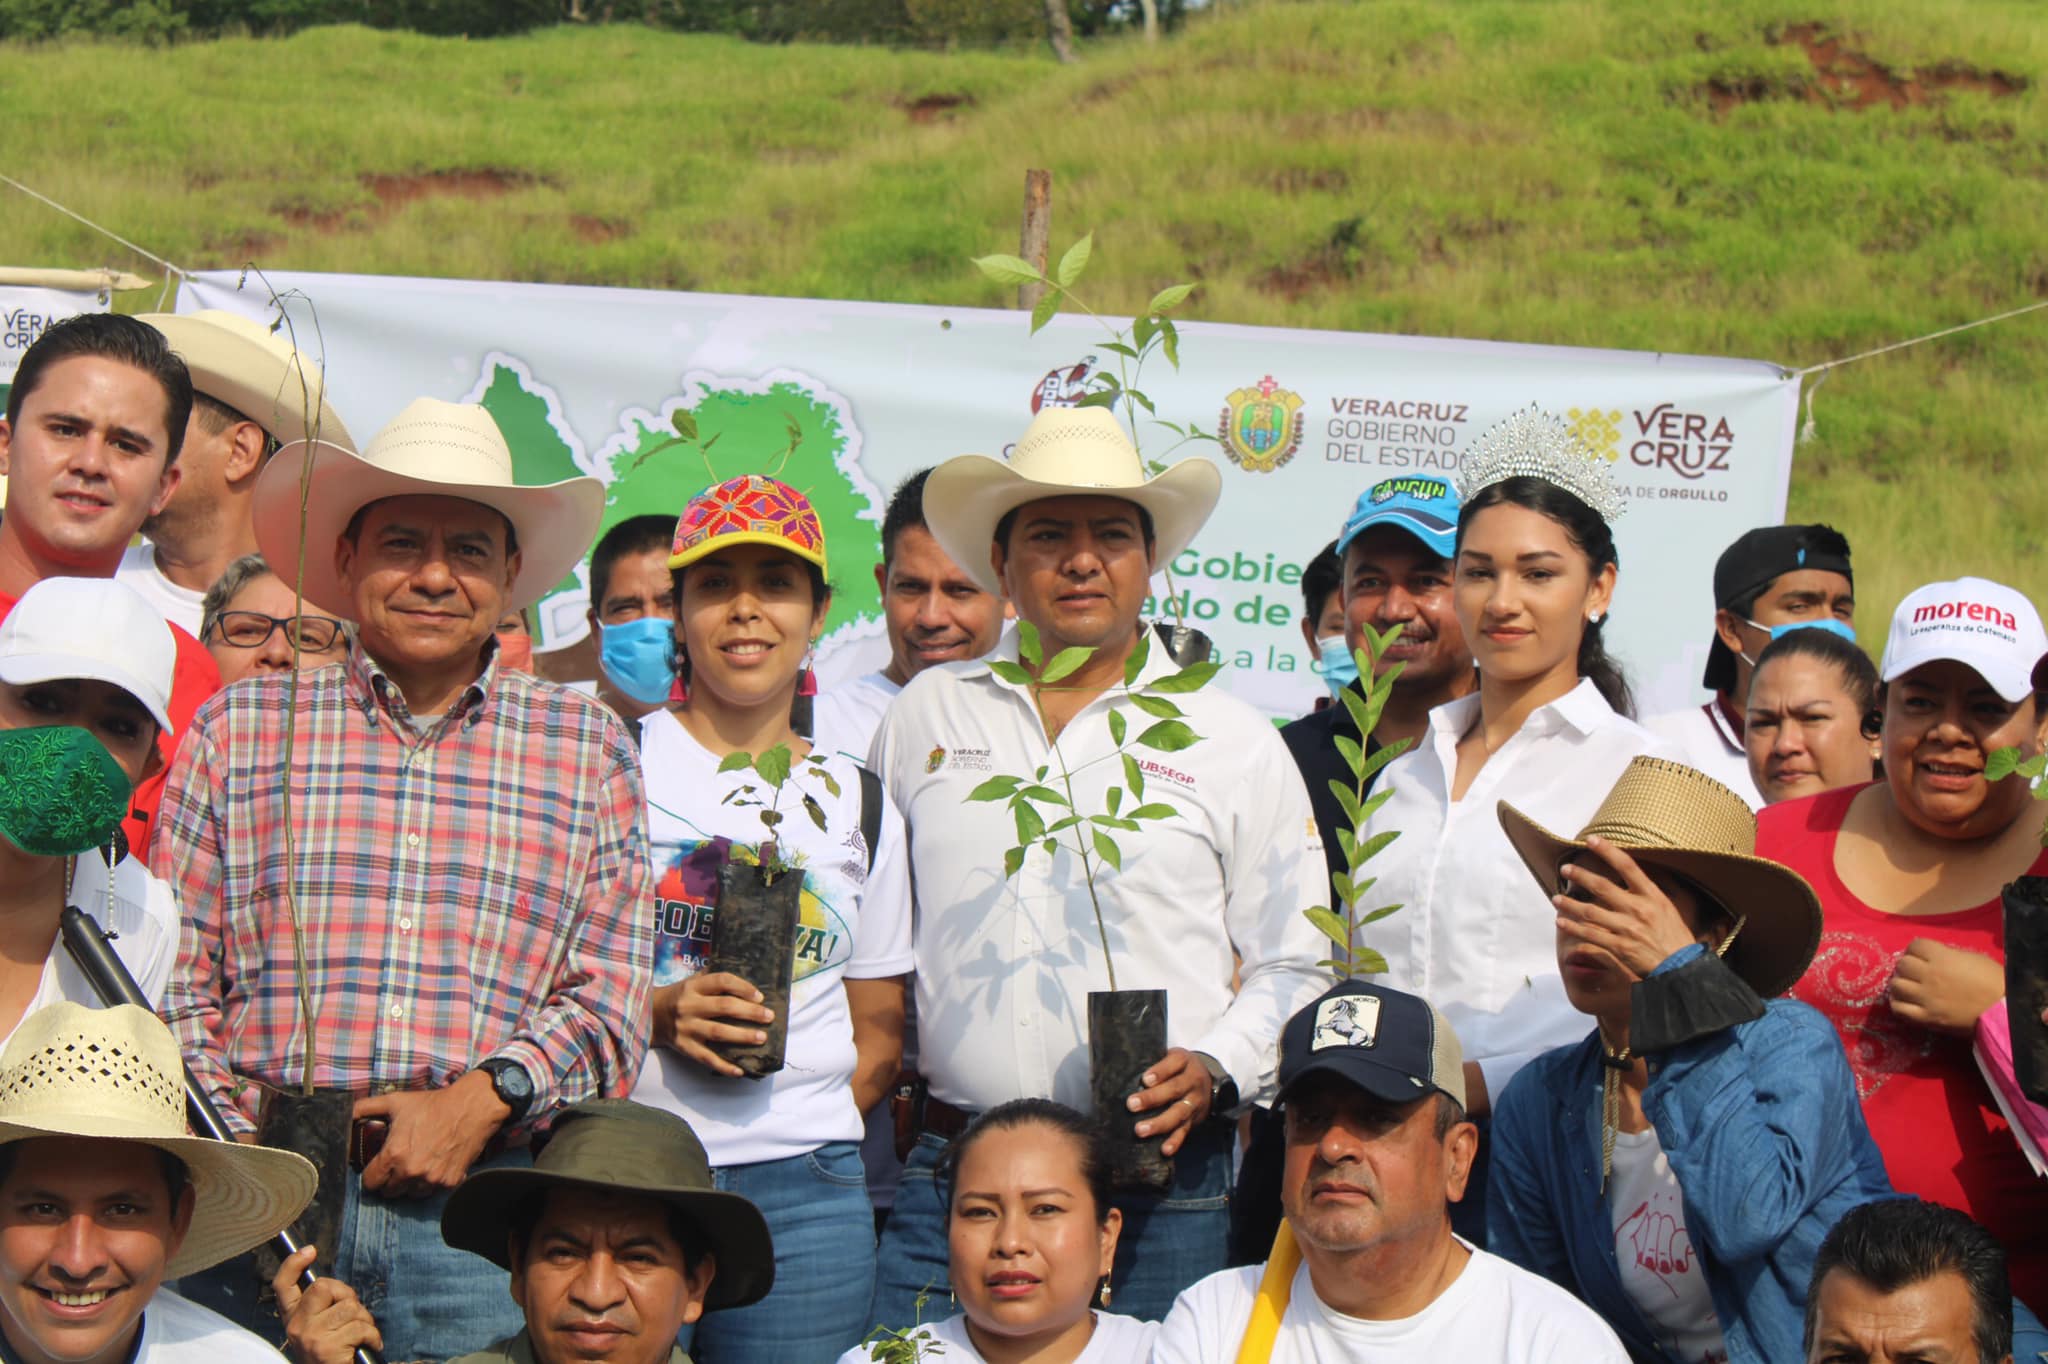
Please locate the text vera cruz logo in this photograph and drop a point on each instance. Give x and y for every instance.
(1690, 444)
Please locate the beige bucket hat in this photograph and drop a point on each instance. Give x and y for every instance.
(70, 1071)
(432, 448)
(1065, 452)
(1665, 814)
(254, 370)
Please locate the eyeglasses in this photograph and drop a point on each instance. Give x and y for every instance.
(253, 629)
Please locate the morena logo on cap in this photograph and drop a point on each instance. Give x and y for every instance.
(1941, 612)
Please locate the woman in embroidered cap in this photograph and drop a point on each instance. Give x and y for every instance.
(749, 574)
(1548, 729)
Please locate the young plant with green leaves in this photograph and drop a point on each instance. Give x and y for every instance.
(1048, 817)
(776, 767)
(1346, 929)
(2010, 762)
(1132, 345)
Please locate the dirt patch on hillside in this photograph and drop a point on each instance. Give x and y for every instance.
(1302, 180)
(935, 108)
(1846, 78)
(394, 191)
(597, 231)
(1332, 265)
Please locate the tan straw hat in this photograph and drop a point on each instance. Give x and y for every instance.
(254, 370)
(1065, 452)
(1665, 814)
(70, 1071)
(433, 449)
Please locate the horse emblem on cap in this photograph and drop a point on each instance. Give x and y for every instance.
(1346, 1021)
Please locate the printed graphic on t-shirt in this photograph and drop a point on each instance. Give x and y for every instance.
(685, 905)
(1851, 976)
(1652, 1246)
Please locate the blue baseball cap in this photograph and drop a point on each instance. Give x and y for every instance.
(1424, 506)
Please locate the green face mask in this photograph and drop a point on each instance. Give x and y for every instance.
(61, 792)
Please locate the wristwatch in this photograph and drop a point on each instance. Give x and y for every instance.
(511, 1083)
(1223, 1097)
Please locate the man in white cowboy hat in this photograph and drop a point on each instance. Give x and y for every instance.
(95, 422)
(104, 1195)
(251, 392)
(1071, 530)
(464, 841)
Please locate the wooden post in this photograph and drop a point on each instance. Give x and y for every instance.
(1035, 242)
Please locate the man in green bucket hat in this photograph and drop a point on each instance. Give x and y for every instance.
(616, 1239)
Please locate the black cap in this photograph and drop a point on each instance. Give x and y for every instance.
(1758, 559)
(1392, 1045)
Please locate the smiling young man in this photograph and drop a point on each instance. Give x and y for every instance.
(1071, 530)
(1373, 1083)
(933, 611)
(469, 838)
(104, 1196)
(1772, 579)
(89, 449)
(617, 1239)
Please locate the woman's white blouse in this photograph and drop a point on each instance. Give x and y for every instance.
(1476, 935)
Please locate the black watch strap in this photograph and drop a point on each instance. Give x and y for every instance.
(1223, 1095)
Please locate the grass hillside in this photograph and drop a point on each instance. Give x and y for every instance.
(1769, 178)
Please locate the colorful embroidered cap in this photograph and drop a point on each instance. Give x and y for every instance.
(752, 509)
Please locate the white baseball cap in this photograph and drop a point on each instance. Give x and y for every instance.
(1973, 621)
(92, 628)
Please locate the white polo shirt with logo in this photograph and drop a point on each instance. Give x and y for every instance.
(1005, 965)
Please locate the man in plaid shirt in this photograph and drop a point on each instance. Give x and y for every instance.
(465, 846)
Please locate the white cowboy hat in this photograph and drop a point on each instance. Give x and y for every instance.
(70, 1071)
(435, 449)
(254, 370)
(1065, 452)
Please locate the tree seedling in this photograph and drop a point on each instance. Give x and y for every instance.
(1352, 957)
(774, 767)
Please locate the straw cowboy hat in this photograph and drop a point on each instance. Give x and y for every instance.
(1665, 814)
(254, 370)
(434, 449)
(1065, 452)
(617, 1146)
(70, 1071)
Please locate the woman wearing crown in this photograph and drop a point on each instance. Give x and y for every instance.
(1548, 730)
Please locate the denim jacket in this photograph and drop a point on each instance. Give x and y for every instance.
(1762, 1126)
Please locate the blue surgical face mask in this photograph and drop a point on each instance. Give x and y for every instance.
(639, 657)
(1831, 625)
(1340, 667)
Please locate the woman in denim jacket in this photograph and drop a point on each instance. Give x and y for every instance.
(1679, 1167)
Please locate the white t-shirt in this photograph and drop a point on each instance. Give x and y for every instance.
(1707, 741)
(1660, 1269)
(1493, 1312)
(178, 605)
(855, 925)
(1005, 965)
(844, 717)
(176, 1331)
(1117, 1340)
(1476, 935)
(142, 916)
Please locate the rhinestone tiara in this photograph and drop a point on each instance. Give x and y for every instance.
(1536, 444)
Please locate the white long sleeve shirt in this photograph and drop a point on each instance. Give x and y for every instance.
(1476, 935)
(1005, 966)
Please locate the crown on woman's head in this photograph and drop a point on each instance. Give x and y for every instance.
(1535, 444)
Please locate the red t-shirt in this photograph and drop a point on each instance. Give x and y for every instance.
(1928, 1108)
(194, 679)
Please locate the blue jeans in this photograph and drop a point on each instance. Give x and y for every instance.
(824, 1230)
(431, 1302)
(1168, 1241)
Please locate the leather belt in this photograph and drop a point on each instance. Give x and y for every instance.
(943, 1120)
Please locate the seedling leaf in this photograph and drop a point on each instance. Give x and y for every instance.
(1191, 678)
(1064, 663)
(996, 788)
(1075, 261)
(1106, 849)
(735, 762)
(1008, 269)
(1168, 736)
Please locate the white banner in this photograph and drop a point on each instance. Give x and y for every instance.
(24, 314)
(846, 399)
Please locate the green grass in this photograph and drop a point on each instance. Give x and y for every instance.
(1533, 170)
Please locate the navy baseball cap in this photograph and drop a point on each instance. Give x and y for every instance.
(1759, 558)
(1425, 507)
(1392, 1045)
